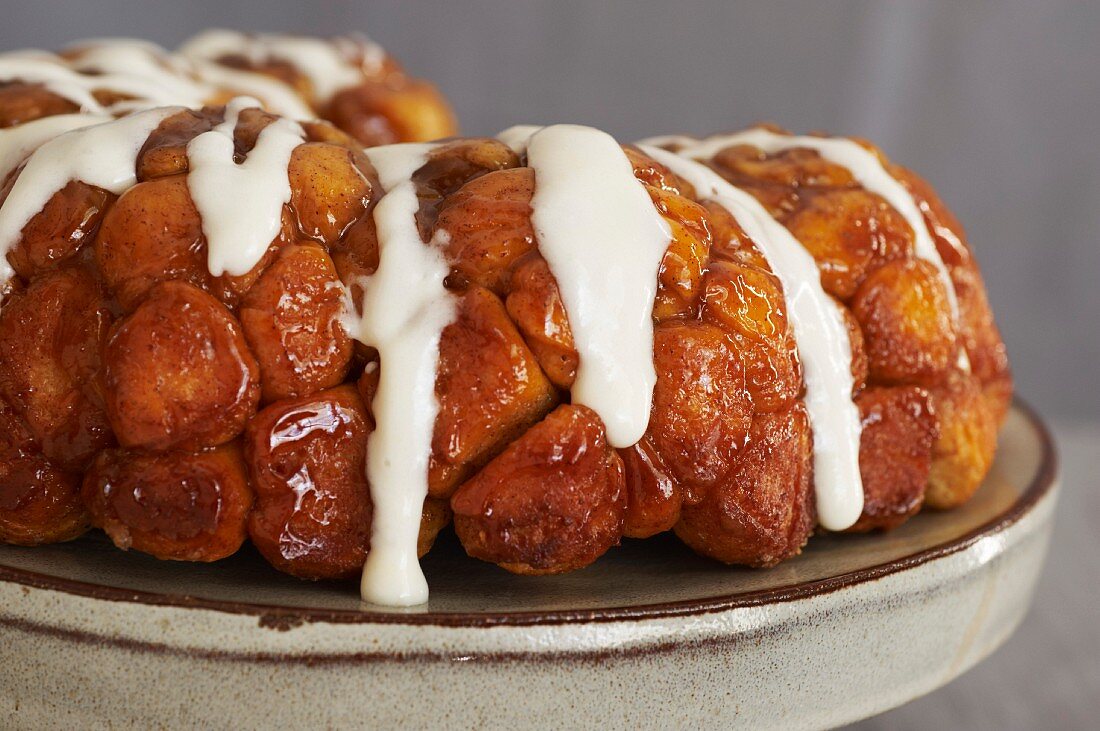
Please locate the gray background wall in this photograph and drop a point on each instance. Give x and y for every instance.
(997, 103)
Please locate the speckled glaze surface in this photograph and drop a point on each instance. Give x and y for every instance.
(649, 637)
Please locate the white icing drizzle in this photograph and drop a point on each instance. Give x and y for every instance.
(405, 309)
(169, 76)
(16, 143)
(328, 65)
(241, 204)
(864, 166)
(821, 336)
(103, 155)
(603, 240)
(61, 79)
(277, 96)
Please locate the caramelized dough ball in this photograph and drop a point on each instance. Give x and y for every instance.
(179, 374)
(490, 390)
(165, 151)
(849, 233)
(55, 234)
(905, 316)
(38, 503)
(963, 452)
(291, 319)
(51, 337)
(701, 408)
(456, 163)
(535, 305)
(356, 253)
(176, 506)
(394, 110)
(656, 175)
(895, 454)
(153, 234)
(307, 458)
(328, 189)
(21, 103)
(653, 497)
(680, 276)
(763, 512)
(552, 502)
(798, 167)
(731, 243)
(748, 303)
(488, 224)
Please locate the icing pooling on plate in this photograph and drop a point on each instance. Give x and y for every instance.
(102, 155)
(241, 204)
(604, 241)
(864, 166)
(404, 311)
(821, 336)
(328, 65)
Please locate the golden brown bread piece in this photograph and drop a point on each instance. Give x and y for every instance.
(551, 502)
(248, 389)
(177, 505)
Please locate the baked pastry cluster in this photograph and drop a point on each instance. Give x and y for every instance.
(450, 332)
(349, 81)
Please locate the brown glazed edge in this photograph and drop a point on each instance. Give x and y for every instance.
(285, 618)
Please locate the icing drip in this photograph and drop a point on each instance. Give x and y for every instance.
(604, 241)
(820, 333)
(241, 204)
(329, 66)
(405, 309)
(864, 166)
(103, 155)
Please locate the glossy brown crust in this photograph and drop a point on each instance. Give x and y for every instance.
(38, 503)
(172, 364)
(490, 390)
(291, 319)
(307, 458)
(552, 502)
(175, 506)
(764, 512)
(51, 338)
(895, 453)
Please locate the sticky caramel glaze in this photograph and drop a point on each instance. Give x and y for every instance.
(868, 260)
(307, 460)
(38, 502)
(178, 506)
